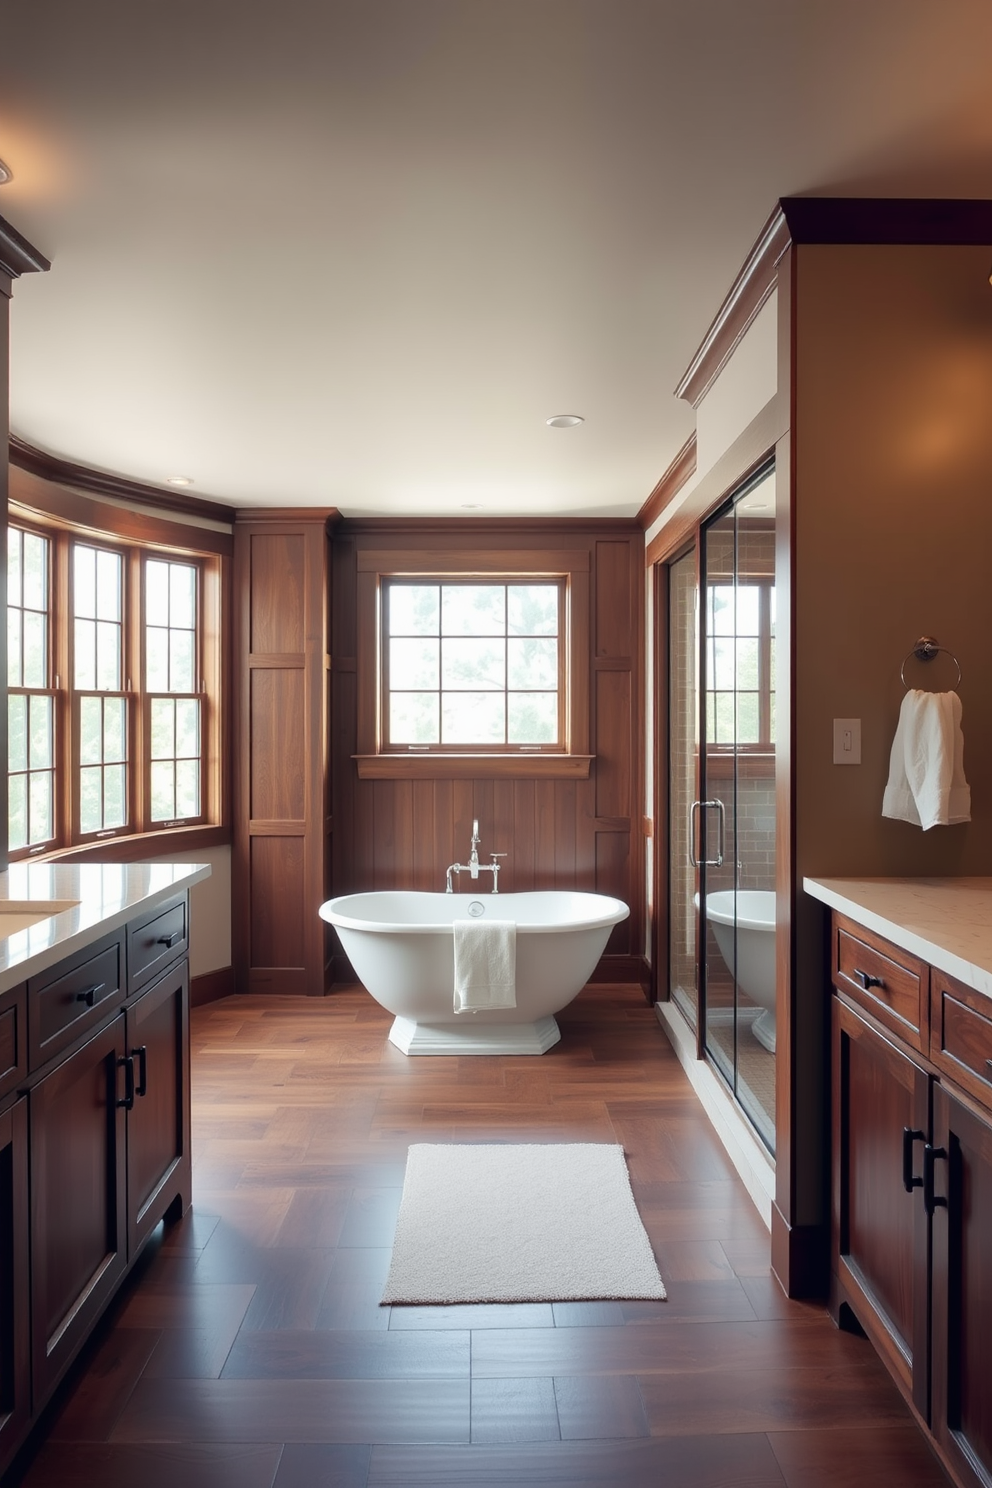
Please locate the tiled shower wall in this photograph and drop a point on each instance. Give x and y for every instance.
(753, 846)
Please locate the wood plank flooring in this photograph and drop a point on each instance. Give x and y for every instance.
(251, 1351)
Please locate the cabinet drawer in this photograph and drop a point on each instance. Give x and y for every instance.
(156, 942)
(13, 1038)
(961, 1035)
(887, 982)
(74, 1001)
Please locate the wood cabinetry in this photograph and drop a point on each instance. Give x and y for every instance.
(94, 1144)
(78, 1234)
(282, 779)
(881, 1237)
(158, 1118)
(15, 1343)
(912, 1184)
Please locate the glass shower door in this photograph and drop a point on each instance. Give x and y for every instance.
(718, 788)
(737, 764)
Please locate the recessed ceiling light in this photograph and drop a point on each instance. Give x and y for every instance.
(6, 174)
(179, 480)
(564, 421)
(471, 506)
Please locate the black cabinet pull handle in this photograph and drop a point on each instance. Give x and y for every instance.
(89, 995)
(988, 1066)
(142, 1054)
(909, 1179)
(170, 940)
(867, 980)
(128, 1101)
(931, 1201)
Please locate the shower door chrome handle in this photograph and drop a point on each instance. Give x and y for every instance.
(694, 809)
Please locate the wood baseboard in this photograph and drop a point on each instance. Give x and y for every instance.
(800, 1258)
(211, 986)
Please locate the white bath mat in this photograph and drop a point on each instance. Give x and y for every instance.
(519, 1224)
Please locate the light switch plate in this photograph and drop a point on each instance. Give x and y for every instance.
(847, 741)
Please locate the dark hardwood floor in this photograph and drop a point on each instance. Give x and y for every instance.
(251, 1351)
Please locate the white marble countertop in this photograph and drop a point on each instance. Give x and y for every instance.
(103, 896)
(946, 921)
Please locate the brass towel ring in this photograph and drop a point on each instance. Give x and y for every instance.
(926, 649)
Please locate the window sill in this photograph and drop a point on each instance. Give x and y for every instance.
(138, 848)
(473, 766)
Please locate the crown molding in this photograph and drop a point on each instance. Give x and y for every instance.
(269, 516)
(891, 221)
(682, 468)
(102, 483)
(17, 255)
(745, 298)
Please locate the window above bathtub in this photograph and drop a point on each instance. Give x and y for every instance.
(472, 658)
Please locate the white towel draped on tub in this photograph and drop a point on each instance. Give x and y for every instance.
(485, 964)
(926, 767)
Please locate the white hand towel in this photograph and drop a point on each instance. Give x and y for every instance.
(485, 964)
(926, 765)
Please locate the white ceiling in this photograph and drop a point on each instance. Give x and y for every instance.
(355, 252)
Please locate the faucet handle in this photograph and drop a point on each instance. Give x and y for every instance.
(494, 856)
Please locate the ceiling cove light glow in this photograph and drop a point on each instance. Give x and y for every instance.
(564, 420)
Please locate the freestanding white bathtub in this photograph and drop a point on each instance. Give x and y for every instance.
(401, 945)
(752, 911)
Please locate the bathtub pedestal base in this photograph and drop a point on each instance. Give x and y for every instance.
(473, 1037)
(763, 1029)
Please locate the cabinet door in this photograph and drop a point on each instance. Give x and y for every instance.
(881, 1231)
(158, 1146)
(962, 1288)
(15, 1346)
(78, 1232)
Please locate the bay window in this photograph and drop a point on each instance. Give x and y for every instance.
(113, 664)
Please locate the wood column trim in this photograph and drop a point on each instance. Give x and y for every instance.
(281, 785)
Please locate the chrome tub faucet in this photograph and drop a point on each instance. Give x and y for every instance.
(473, 867)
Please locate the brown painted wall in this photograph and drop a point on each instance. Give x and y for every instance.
(557, 833)
(893, 438)
(893, 539)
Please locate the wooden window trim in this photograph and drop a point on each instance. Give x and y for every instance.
(135, 540)
(561, 680)
(570, 565)
(760, 753)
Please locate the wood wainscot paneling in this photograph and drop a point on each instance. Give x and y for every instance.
(280, 868)
(564, 822)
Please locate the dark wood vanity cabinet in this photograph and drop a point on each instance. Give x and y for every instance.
(15, 1273)
(98, 1135)
(158, 1120)
(961, 1411)
(912, 1186)
(880, 1230)
(78, 1234)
